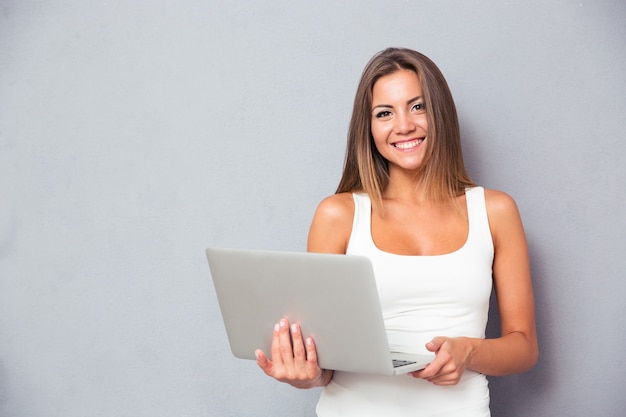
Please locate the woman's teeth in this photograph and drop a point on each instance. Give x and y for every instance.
(408, 145)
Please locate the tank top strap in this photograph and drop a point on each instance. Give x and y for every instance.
(479, 233)
(361, 236)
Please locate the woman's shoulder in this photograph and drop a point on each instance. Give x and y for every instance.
(499, 201)
(336, 207)
(332, 224)
(502, 210)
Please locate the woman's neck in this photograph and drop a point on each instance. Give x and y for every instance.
(406, 187)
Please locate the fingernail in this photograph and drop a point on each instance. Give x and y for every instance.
(294, 328)
(276, 327)
(283, 323)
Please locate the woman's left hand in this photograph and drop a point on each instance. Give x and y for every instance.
(452, 356)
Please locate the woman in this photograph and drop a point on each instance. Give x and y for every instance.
(437, 242)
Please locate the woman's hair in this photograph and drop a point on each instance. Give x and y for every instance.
(442, 173)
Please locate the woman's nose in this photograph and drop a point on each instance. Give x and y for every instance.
(404, 123)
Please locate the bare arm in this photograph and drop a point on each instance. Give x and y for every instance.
(516, 350)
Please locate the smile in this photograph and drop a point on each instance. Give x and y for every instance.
(409, 144)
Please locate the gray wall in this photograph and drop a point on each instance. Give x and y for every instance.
(135, 134)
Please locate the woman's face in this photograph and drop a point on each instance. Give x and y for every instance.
(398, 120)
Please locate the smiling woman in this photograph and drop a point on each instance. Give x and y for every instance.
(442, 171)
(437, 243)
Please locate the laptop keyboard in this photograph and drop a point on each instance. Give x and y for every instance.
(399, 362)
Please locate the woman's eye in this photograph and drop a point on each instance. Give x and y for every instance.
(384, 113)
(418, 107)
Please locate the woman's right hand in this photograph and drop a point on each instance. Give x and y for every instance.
(294, 358)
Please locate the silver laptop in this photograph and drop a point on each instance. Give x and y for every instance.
(333, 297)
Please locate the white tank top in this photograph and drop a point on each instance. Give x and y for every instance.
(421, 297)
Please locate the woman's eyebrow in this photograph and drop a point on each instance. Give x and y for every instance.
(390, 106)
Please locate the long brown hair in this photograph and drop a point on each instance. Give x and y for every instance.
(443, 172)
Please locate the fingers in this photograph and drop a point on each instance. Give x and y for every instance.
(276, 348)
(289, 348)
(299, 353)
(439, 373)
(288, 344)
(311, 352)
(443, 374)
(294, 359)
(448, 365)
(432, 369)
(280, 351)
(435, 344)
(264, 363)
(286, 351)
(435, 366)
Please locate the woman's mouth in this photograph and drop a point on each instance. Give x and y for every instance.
(409, 144)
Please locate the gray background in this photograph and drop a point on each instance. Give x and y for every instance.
(134, 134)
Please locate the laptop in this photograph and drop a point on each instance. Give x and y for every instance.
(333, 297)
